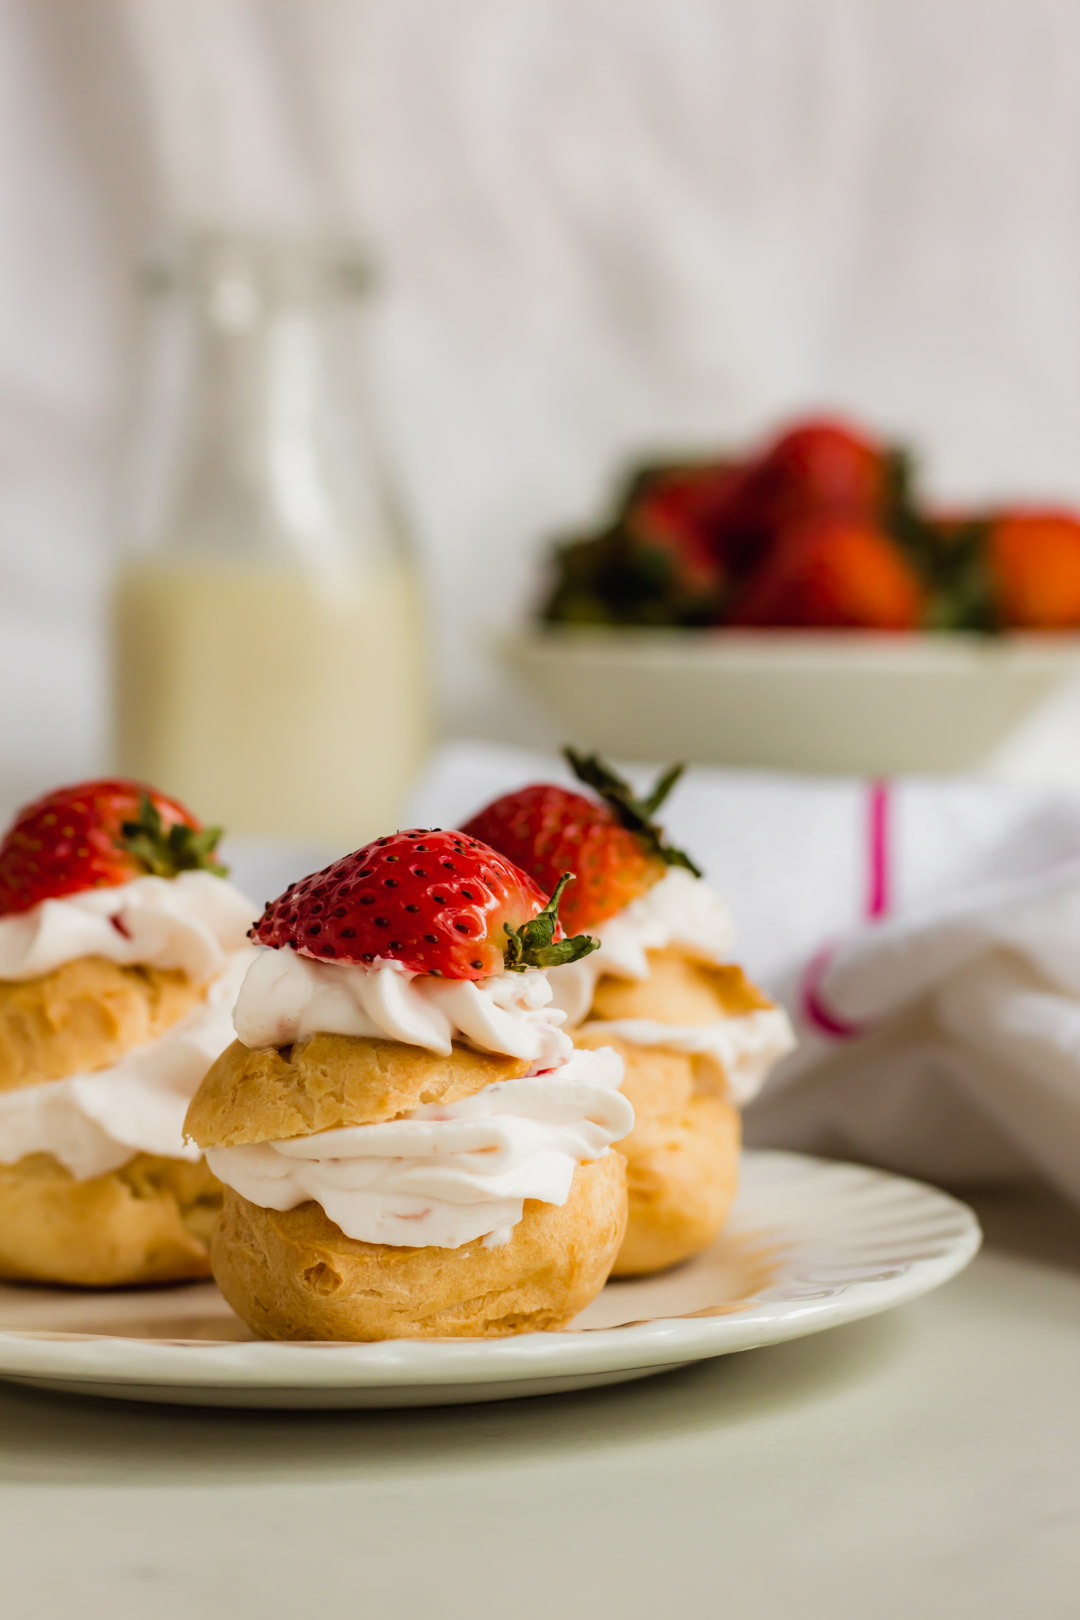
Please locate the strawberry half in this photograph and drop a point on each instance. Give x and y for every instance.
(98, 835)
(614, 847)
(437, 902)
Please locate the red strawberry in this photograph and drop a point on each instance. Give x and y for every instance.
(437, 902)
(1033, 567)
(672, 511)
(820, 467)
(657, 564)
(833, 574)
(687, 535)
(98, 835)
(614, 847)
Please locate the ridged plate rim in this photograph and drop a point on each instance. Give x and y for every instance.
(838, 1242)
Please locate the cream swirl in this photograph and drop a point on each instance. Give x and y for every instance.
(287, 996)
(738, 1051)
(679, 910)
(445, 1175)
(93, 1123)
(191, 922)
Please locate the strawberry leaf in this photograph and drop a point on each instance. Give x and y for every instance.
(534, 943)
(635, 814)
(167, 853)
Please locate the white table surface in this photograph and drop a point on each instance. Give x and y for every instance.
(925, 1463)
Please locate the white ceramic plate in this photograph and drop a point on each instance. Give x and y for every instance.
(810, 1245)
(844, 702)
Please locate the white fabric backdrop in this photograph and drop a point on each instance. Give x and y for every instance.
(602, 225)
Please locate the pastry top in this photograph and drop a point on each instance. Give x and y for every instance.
(93, 1122)
(680, 989)
(446, 1173)
(328, 1081)
(85, 1015)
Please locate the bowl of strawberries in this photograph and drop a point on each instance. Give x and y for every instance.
(803, 608)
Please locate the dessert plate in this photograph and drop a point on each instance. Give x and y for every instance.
(810, 1244)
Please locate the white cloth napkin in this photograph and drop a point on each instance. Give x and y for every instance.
(923, 934)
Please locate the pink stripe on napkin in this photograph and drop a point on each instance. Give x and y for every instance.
(879, 895)
(815, 1008)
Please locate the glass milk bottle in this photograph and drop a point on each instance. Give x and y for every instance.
(269, 645)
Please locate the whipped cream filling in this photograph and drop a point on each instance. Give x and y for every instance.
(740, 1050)
(191, 922)
(287, 996)
(445, 1175)
(93, 1123)
(679, 909)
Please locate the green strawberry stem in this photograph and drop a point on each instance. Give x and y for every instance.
(167, 853)
(534, 943)
(958, 576)
(635, 814)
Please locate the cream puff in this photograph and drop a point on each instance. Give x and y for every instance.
(410, 1144)
(697, 1038)
(122, 947)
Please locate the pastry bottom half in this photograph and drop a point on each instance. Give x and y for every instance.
(682, 1158)
(681, 1181)
(295, 1275)
(147, 1222)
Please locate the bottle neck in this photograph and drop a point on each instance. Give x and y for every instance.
(256, 445)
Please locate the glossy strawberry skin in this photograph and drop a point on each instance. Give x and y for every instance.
(70, 841)
(547, 830)
(435, 901)
(833, 574)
